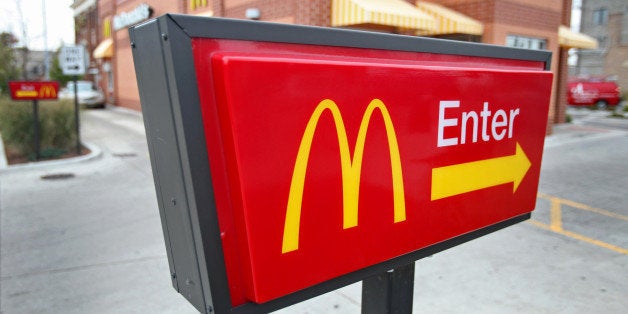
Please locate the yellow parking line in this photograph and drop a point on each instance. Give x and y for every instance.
(580, 237)
(556, 221)
(582, 206)
(556, 216)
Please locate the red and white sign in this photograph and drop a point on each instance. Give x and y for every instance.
(25, 90)
(327, 160)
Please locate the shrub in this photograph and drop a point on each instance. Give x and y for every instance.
(56, 127)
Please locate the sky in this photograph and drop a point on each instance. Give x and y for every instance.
(59, 17)
(60, 21)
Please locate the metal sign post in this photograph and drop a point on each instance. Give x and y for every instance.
(36, 128)
(74, 61)
(389, 292)
(290, 161)
(76, 116)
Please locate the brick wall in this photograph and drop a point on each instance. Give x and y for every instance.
(482, 10)
(511, 13)
(563, 71)
(314, 12)
(561, 87)
(304, 12)
(126, 93)
(533, 18)
(270, 10)
(616, 60)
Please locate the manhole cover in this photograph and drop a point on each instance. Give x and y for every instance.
(124, 155)
(57, 176)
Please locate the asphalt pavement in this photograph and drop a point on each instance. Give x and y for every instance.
(89, 240)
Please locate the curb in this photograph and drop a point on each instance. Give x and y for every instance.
(95, 152)
(124, 110)
(3, 155)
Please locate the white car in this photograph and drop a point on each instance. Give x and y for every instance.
(88, 94)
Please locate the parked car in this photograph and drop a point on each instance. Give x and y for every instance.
(88, 94)
(600, 93)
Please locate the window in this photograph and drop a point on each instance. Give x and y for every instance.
(526, 42)
(600, 16)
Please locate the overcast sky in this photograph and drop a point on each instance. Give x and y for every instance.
(60, 21)
(59, 18)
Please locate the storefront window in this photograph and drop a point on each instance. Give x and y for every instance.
(600, 16)
(526, 42)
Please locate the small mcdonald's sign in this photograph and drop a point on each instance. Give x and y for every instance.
(290, 161)
(27, 90)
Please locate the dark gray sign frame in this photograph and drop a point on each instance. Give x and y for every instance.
(166, 78)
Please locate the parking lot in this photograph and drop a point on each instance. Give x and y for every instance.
(93, 243)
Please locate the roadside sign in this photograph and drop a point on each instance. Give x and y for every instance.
(34, 91)
(73, 60)
(27, 90)
(289, 163)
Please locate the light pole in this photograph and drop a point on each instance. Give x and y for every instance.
(46, 52)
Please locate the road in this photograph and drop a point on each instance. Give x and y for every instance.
(92, 243)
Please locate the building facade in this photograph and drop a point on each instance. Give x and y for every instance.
(607, 21)
(34, 68)
(532, 24)
(86, 24)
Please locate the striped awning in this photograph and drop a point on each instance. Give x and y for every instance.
(104, 49)
(449, 21)
(570, 39)
(396, 13)
(208, 13)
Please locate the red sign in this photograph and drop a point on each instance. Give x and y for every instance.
(327, 160)
(23, 90)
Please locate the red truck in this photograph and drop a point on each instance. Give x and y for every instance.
(600, 93)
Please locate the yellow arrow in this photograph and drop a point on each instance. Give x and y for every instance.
(476, 175)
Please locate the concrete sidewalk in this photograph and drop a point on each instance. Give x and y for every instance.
(93, 243)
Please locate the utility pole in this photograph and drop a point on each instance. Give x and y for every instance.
(46, 52)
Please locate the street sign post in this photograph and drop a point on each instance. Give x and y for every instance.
(34, 91)
(290, 161)
(74, 61)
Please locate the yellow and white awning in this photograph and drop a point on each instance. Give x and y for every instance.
(396, 13)
(208, 13)
(449, 21)
(570, 39)
(104, 49)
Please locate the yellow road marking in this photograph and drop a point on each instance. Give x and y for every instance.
(583, 206)
(556, 223)
(556, 216)
(581, 237)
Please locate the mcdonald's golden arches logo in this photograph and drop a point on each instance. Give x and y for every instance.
(351, 169)
(106, 28)
(47, 91)
(194, 4)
